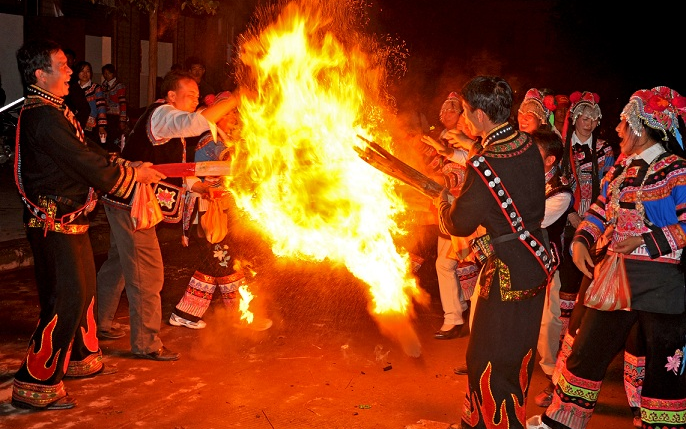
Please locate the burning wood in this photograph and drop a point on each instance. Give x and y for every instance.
(202, 168)
(382, 160)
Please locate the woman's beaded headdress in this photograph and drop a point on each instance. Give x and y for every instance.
(584, 102)
(658, 108)
(451, 103)
(538, 105)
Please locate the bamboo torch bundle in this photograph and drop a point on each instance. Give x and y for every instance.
(382, 160)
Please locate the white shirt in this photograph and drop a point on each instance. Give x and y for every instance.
(576, 140)
(168, 122)
(651, 153)
(459, 156)
(555, 206)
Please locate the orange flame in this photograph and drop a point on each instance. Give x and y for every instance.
(246, 297)
(298, 174)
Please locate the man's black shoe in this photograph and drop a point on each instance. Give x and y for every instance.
(163, 354)
(449, 334)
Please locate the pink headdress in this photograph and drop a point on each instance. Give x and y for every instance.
(658, 108)
(540, 106)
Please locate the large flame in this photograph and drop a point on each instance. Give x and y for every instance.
(246, 297)
(298, 175)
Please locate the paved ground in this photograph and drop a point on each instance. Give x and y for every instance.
(324, 363)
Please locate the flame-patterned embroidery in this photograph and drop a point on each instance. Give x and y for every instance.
(489, 407)
(90, 339)
(36, 362)
(67, 357)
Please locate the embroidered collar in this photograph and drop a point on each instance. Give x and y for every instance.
(498, 133)
(45, 95)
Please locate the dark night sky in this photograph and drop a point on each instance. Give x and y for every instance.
(564, 45)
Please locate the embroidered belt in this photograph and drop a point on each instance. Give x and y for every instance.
(50, 224)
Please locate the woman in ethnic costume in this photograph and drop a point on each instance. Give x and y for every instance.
(220, 264)
(96, 124)
(586, 160)
(641, 209)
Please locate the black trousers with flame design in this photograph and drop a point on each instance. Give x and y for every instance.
(500, 359)
(65, 341)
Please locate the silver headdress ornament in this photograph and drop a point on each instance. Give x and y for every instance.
(584, 102)
(538, 105)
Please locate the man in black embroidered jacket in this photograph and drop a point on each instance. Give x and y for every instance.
(504, 192)
(58, 173)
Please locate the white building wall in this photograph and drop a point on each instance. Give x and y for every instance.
(12, 37)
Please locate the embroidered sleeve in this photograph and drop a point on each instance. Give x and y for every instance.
(125, 183)
(101, 106)
(116, 159)
(669, 238)
(121, 99)
(608, 162)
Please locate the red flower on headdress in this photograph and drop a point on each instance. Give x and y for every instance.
(575, 97)
(658, 103)
(661, 104)
(590, 97)
(549, 103)
(679, 102)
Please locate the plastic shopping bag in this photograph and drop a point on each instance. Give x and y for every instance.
(610, 288)
(214, 222)
(145, 209)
